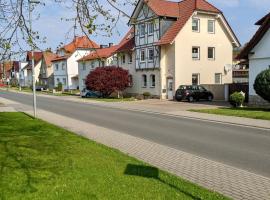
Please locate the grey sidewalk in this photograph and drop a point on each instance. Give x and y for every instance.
(230, 181)
(177, 109)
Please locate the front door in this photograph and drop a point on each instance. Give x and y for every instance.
(170, 89)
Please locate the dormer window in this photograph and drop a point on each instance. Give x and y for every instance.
(196, 25)
(142, 30)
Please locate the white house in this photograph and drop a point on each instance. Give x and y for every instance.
(26, 75)
(179, 43)
(106, 56)
(257, 51)
(65, 66)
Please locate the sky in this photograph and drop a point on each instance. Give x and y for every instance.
(241, 15)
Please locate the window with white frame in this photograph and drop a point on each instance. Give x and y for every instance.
(196, 25)
(142, 30)
(195, 79)
(83, 82)
(56, 67)
(211, 53)
(142, 55)
(151, 28)
(123, 59)
(195, 53)
(63, 66)
(218, 78)
(83, 66)
(130, 58)
(211, 26)
(144, 81)
(130, 81)
(150, 54)
(58, 80)
(64, 81)
(102, 63)
(153, 80)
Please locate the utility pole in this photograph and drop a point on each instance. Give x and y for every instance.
(30, 2)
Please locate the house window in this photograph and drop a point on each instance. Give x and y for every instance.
(211, 26)
(195, 25)
(150, 54)
(142, 30)
(63, 66)
(153, 80)
(102, 63)
(144, 81)
(142, 55)
(196, 53)
(123, 59)
(64, 81)
(57, 80)
(130, 81)
(150, 28)
(83, 82)
(83, 66)
(130, 58)
(56, 67)
(195, 79)
(218, 78)
(211, 53)
(92, 65)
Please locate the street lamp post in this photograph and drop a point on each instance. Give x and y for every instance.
(33, 60)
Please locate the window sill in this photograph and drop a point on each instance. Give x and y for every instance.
(153, 87)
(211, 59)
(196, 59)
(144, 86)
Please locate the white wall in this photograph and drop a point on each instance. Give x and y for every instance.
(259, 61)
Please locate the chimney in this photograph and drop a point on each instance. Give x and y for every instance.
(110, 44)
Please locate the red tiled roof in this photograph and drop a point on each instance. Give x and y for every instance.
(185, 10)
(265, 26)
(48, 57)
(128, 42)
(58, 58)
(100, 53)
(37, 56)
(163, 8)
(80, 43)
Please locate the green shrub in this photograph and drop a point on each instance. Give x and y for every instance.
(262, 84)
(237, 99)
(59, 86)
(146, 95)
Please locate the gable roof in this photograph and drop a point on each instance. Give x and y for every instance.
(186, 9)
(100, 53)
(265, 25)
(127, 43)
(48, 57)
(37, 56)
(82, 42)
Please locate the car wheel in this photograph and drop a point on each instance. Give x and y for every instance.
(210, 98)
(190, 99)
(178, 99)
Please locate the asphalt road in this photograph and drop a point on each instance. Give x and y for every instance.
(241, 147)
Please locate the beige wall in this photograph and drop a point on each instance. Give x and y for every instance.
(185, 66)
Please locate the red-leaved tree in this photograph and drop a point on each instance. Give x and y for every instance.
(107, 80)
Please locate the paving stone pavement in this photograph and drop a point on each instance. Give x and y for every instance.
(232, 182)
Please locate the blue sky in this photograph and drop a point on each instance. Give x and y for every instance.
(241, 14)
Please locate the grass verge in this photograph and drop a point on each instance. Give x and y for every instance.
(41, 161)
(112, 99)
(254, 113)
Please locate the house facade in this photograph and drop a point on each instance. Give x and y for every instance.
(65, 65)
(105, 56)
(257, 52)
(26, 75)
(179, 43)
(46, 76)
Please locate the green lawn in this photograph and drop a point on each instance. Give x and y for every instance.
(255, 113)
(41, 161)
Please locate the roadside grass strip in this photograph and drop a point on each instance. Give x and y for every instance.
(41, 161)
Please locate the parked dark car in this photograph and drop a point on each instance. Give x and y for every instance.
(90, 94)
(192, 93)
